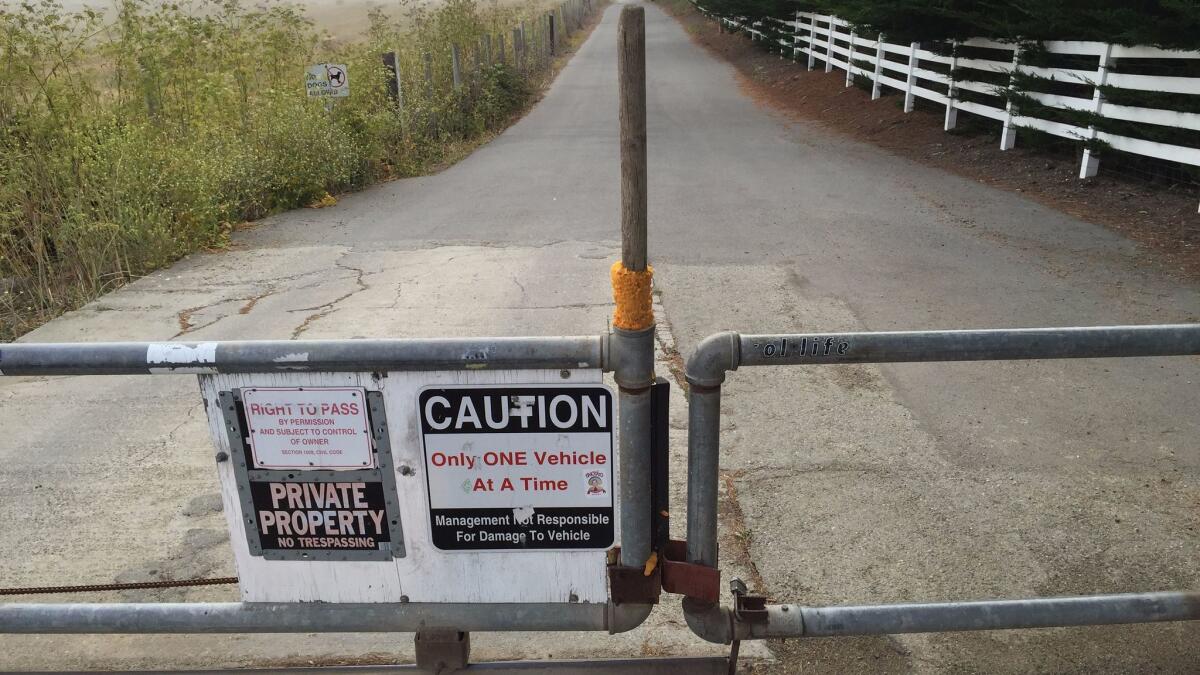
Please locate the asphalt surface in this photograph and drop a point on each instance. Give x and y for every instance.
(849, 484)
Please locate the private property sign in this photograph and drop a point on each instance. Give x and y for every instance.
(519, 468)
(312, 515)
(314, 479)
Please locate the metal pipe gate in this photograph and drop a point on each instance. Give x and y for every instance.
(646, 561)
(611, 353)
(725, 352)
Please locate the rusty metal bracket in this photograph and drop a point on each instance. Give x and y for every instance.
(632, 584)
(442, 651)
(684, 578)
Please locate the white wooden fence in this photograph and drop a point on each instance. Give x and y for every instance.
(814, 36)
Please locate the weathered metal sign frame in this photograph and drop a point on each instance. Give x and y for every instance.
(423, 574)
(383, 473)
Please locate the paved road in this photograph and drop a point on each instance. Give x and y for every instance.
(847, 484)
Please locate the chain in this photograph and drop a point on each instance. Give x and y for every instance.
(35, 590)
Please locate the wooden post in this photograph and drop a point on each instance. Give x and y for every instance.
(1091, 162)
(551, 39)
(433, 117)
(518, 49)
(829, 48)
(812, 41)
(796, 36)
(487, 49)
(503, 56)
(1008, 137)
(850, 61)
(392, 63)
(911, 80)
(879, 55)
(455, 67)
(952, 91)
(631, 74)
(429, 76)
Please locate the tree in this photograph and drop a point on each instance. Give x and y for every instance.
(1166, 23)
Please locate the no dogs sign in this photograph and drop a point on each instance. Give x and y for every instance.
(519, 467)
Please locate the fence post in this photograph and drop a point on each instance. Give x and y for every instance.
(631, 71)
(951, 90)
(433, 117)
(550, 28)
(487, 49)
(1091, 162)
(524, 48)
(850, 62)
(392, 63)
(455, 67)
(796, 36)
(876, 85)
(912, 76)
(1008, 137)
(428, 76)
(517, 50)
(812, 41)
(829, 48)
(503, 55)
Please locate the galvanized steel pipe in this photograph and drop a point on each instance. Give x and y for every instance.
(1093, 610)
(720, 625)
(704, 445)
(281, 617)
(141, 358)
(969, 345)
(705, 371)
(633, 353)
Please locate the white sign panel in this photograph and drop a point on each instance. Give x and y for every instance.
(519, 467)
(327, 80)
(308, 427)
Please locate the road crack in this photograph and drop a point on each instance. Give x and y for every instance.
(326, 308)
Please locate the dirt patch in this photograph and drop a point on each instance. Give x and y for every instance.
(1160, 216)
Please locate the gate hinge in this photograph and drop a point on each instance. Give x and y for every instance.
(679, 576)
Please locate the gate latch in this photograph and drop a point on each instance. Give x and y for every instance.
(746, 607)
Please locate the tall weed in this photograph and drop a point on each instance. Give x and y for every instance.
(130, 140)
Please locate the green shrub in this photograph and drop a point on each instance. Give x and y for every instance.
(128, 141)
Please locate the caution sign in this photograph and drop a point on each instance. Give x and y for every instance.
(314, 515)
(519, 467)
(308, 428)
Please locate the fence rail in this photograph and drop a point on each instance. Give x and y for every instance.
(942, 78)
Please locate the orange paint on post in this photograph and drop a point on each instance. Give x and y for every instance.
(631, 293)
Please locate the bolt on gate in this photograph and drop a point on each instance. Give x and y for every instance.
(372, 485)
